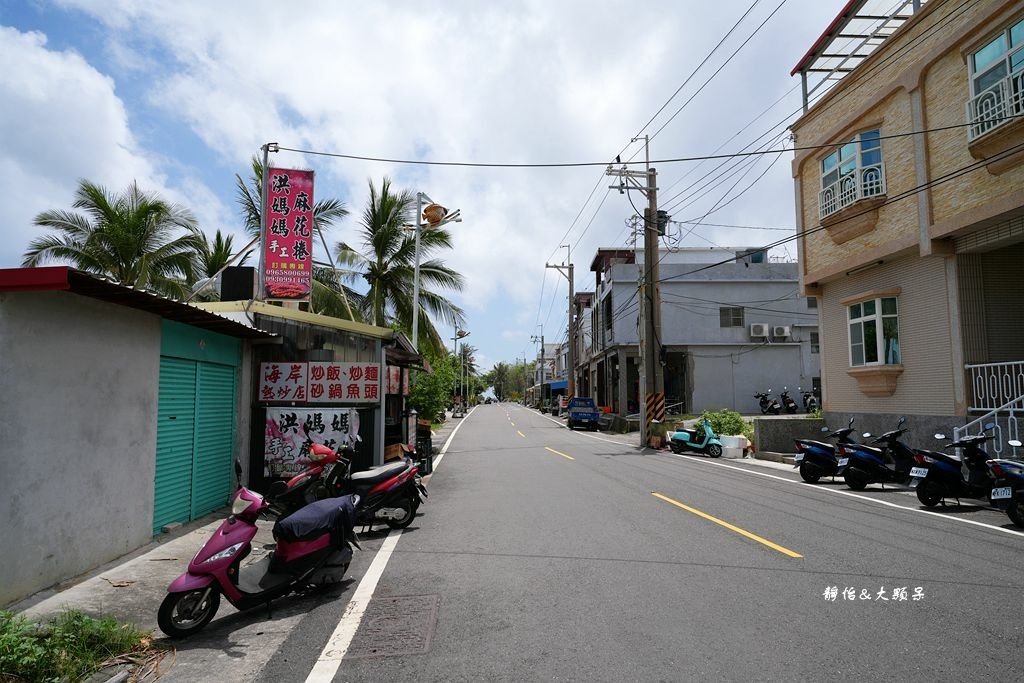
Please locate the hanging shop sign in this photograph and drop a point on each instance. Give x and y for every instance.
(291, 431)
(320, 382)
(288, 239)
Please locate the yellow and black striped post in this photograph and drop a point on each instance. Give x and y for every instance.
(655, 408)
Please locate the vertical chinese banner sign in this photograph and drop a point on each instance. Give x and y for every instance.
(288, 242)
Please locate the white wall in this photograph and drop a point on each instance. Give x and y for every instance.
(78, 399)
(729, 376)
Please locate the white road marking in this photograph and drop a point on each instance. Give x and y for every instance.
(850, 494)
(329, 662)
(337, 645)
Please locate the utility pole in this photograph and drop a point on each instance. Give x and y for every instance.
(652, 379)
(543, 370)
(567, 271)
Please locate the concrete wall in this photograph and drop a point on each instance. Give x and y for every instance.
(77, 436)
(776, 434)
(729, 376)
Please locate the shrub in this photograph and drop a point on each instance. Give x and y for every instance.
(727, 422)
(71, 647)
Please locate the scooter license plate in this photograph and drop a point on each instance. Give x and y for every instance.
(798, 458)
(920, 472)
(1002, 492)
(843, 462)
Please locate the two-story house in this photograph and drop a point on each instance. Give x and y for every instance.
(732, 324)
(909, 182)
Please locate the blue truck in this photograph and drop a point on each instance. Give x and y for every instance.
(583, 413)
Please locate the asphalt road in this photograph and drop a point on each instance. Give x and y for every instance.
(545, 554)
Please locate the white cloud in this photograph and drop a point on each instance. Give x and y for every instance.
(526, 81)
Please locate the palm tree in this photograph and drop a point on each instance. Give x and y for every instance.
(329, 291)
(129, 237)
(388, 264)
(211, 258)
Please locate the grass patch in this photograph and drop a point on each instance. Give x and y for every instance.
(72, 647)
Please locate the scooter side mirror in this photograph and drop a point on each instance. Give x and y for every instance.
(900, 423)
(851, 422)
(990, 425)
(940, 436)
(826, 429)
(866, 435)
(769, 391)
(1015, 443)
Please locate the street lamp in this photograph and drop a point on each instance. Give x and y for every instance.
(436, 216)
(459, 334)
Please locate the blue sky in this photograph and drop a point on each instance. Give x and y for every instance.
(178, 96)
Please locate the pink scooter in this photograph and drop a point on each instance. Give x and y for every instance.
(312, 549)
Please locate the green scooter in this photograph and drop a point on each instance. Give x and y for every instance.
(687, 440)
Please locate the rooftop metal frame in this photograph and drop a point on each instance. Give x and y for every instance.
(859, 28)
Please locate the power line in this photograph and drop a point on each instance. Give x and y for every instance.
(669, 160)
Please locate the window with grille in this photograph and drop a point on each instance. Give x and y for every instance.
(731, 316)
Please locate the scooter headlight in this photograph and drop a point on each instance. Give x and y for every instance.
(224, 554)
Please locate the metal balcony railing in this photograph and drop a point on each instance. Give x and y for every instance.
(995, 384)
(864, 183)
(995, 106)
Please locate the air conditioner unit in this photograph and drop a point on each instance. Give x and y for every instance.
(758, 329)
(780, 331)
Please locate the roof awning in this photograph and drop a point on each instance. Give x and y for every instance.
(63, 278)
(558, 384)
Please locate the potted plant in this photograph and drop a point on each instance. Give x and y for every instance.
(657, 434)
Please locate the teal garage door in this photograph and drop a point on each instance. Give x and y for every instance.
(196, 424)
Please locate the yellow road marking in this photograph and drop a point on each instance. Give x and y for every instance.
(558, 453)
(742, 532)
(520, 434)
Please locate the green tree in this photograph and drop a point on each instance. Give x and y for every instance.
(330, 295)
(432, 392)
(211, 258)
(134, 237)
(387, 262)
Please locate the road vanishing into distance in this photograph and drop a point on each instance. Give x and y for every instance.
(545, 554)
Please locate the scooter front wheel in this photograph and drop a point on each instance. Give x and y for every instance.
(714, 450)
(182, 614)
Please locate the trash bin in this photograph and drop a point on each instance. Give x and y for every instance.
(424, 446)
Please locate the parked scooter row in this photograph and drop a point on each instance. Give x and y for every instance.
(390, 493)
(317, 512)
(786, 404)
(934, 475)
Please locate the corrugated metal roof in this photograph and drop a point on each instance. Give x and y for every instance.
(64, 278)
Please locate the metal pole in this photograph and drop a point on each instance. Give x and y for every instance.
(571, 387)
(263, 216)
(416, 276)
(654, 292)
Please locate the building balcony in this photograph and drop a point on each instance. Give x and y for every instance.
(995, 107)
(996, 124)
(849, 207)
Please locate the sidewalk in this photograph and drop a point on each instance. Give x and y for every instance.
(131, 588)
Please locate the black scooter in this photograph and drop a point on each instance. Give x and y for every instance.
(768, 406)
(891, 463)
(788, 404)
(1008, 487)
(940, 475)
(817, 459)
(810, 400)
